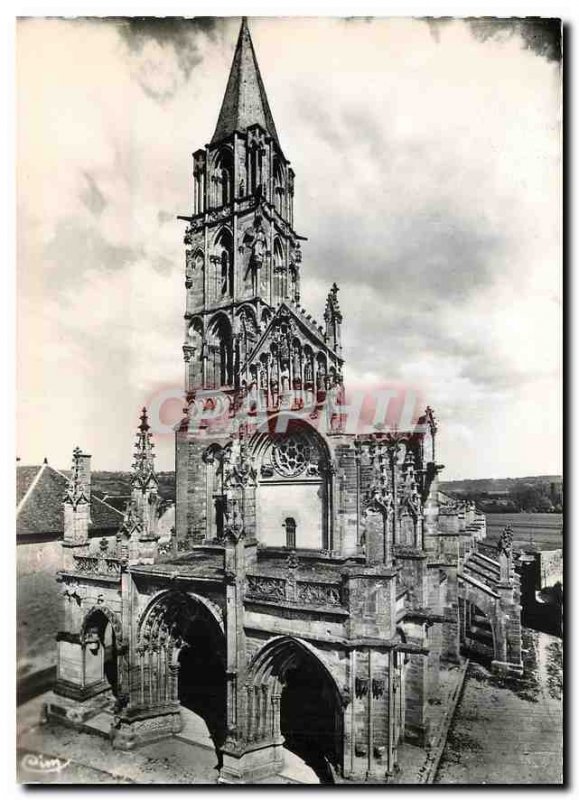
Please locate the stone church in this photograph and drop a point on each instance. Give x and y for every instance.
(317, 583)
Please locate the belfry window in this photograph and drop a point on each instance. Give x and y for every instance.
(224, 178)
(290, 532)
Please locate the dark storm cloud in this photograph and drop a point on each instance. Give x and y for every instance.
(178, 34)
(541, 35)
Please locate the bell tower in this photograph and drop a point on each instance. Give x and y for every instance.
(242, 253)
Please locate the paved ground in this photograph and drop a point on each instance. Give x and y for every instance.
(56, 754)
(502, 732)
(507, 731)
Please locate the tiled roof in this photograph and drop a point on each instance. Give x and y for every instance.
(119, 502)
(40, 508)
(24, 478)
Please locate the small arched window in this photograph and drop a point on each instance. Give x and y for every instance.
(290, 532)
(226, 187)
(223, 177)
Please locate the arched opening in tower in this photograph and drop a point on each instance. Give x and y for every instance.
(101, 646)
(311, 718)
(202, 684)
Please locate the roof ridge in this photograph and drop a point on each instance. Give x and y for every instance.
(30, 488)
(308, 319)
(104, 502)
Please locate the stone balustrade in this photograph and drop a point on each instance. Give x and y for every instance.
(317, 594)
(96, 565)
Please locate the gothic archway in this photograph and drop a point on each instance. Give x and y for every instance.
(182, 659)
(101, 635)
(293, 696)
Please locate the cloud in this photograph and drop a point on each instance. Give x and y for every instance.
(165, 50)
(541, 35)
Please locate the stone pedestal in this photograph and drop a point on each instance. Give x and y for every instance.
(133, 728)
(80, 668)
(251, 763)
(74, 712)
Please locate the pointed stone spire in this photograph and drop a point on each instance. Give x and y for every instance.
(245, 101)
(138, 535)
(144, 463)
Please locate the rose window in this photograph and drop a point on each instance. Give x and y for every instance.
(291, 455)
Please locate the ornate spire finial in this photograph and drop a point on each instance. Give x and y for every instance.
(78, 487)
(332, 310)
(144, 463)
(144, 426)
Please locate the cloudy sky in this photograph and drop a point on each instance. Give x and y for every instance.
(427, 160)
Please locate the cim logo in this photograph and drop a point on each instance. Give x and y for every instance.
(40, 763)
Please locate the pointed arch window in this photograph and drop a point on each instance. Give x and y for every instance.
(224, 174)
(255, 167)
(290, 532)
(220, 361)
(280, 275)
(278, 187)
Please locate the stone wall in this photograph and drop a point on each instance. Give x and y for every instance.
(300, 501)
(39, 606)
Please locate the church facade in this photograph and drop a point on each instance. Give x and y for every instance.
(315, 582)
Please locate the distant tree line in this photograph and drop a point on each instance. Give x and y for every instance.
(537, 497)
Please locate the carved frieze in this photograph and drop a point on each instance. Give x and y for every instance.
(304, 593)
(318, 594)
(95, 565)
(266, 588)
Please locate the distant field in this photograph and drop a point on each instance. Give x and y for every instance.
(540, 531)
